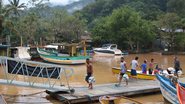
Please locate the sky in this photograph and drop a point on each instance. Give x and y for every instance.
(55, 2)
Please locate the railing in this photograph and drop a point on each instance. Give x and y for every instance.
(34, 74)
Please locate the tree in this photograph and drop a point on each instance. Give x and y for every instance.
(67, 27)
(15, 7)
(168, 24)
(177, 6)
(124, 26)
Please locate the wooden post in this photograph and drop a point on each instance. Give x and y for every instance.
(21, 41)
(40, 41)
(72, 50)
(85, 52)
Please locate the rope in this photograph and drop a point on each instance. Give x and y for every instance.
(24, 95)
(31, 102)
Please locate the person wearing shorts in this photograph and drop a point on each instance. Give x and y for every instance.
(151, 66)
(122, 71)
(89, 73)
(144, 67)
(176, 65)
(134, 65)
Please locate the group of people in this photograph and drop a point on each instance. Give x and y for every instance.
(152, 69)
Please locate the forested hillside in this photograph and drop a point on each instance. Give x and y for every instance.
(136, 24)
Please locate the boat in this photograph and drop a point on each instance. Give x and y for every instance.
(20, 53)
(181, 92)
(32, 69)
(50, 52)
(108, 49)
(53, 49)
(140, 75)
(117, 100)
(168, 89)
(68, 60)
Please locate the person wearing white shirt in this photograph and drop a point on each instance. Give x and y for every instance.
(134, 65)
(122, 72)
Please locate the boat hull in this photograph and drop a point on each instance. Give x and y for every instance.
(103, 54)
(109, 100)
(168, 90)
(116, 70)
(107, 52)
(66, 62)
(180, 93)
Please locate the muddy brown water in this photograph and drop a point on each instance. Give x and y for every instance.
(102, 73)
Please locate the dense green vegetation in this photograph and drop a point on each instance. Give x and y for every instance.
(136, 24)
(39, 23)
(132, 24)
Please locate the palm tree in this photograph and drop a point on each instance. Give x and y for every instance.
(1, 18)
(3, 13)
(15, 7)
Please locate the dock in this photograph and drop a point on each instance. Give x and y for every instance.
(84, 95)
(2, 100)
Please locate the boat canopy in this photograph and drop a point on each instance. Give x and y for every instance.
(109, 46)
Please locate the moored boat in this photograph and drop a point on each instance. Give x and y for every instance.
(20, 53)
(73, 60)
(168, 89)
(108, 49)
(181, 93)
(70, 60)
(140, 75)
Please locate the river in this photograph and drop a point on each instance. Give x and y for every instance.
(102, 72)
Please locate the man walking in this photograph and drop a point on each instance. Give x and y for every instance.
(122, 72)
(89, 73)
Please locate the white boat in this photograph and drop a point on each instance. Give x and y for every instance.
(53, 49)
(108, 49)
(20, 52)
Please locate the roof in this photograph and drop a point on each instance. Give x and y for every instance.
(170, 30)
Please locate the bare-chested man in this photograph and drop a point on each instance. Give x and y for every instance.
(89, 73)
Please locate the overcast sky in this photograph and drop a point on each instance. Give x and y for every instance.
(56, 2)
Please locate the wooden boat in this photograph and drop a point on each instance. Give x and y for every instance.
(117, 100)
(69, 60)
(140, 75)
(74, 60)
(168, 89)
(181, 92)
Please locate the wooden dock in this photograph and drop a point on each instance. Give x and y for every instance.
(83, 94)
(2, 100)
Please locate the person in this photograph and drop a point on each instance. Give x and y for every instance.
(176, 65)
(157, 69)
(122, 72)
(144, 67)
(89, 73)
(134, 65)
(151, 66)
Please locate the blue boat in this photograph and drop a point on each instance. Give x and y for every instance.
(168, 89)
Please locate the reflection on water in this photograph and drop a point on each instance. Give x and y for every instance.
(102, 72)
